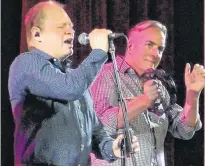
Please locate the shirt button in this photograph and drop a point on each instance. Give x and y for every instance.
(81, 147)
(54, 59)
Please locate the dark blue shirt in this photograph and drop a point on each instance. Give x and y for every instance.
(53, 112)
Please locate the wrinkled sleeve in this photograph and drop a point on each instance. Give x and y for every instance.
(101, 142)
(104, 96)
(178, 123)
(39, 77)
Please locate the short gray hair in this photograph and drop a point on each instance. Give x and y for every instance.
(147, 24)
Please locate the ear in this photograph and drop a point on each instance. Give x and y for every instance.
(129, 48)
(36, 34)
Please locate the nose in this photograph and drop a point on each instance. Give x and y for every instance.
(155, 52)
(69, 31)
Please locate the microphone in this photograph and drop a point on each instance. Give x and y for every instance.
(168, 83)
(157, 107)
(83, 38)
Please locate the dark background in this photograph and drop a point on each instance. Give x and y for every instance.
(184, 19)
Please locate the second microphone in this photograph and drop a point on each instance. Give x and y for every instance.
(83, 38)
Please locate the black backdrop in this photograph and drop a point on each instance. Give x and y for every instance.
(185, 24)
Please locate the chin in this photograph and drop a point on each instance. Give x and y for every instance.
(65, 55)
(148, 67)
(68, 53)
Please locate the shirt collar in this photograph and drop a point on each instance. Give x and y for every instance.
(123, 66)
(121, 63)
(48, 57)
(42, 54)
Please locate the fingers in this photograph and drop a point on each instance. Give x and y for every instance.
(118, 140)
(196, 80)
(134, 139)
(187, 69)
(99, 39)
(120, 137)
(135, 145)
(109, 32)
(199, 70)
(152, 89)
(198, 73)
(129, 98)
(117, 145)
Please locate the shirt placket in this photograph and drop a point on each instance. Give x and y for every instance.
(138, 83)
(82, 135)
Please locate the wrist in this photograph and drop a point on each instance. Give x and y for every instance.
(145, 101)
(192, 96)
(192, 93)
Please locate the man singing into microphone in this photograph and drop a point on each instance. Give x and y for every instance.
(52, 108)
(147, 41)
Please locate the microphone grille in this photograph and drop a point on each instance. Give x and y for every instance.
(83, 39)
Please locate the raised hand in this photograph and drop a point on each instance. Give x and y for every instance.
(99, 39)
(194, 80)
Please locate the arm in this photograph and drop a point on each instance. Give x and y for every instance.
(106, 102)
(178, 124)
(195, 82)
(135, 107)
(104, 146)
(101, 142)
(185, 121)
(38, 76)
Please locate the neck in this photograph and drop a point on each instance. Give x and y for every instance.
(133, 66)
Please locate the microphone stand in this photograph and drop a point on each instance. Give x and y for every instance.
(126, 149)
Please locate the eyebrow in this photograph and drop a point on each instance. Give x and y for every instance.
(70, 24)
(64, 24)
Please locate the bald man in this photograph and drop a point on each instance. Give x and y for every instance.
(52, 108)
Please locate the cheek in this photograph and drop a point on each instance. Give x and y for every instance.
(54, 37)
(58, 42)
(141, 54)
(159, 59)
(57, 37)
(142, 51)
(137, 56)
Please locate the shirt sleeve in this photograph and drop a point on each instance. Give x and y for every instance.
(177, 120)
(104, 96)
(38, 76)
(101, 142)
(178, 123)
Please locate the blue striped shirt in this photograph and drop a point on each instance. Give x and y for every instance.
(53, 111)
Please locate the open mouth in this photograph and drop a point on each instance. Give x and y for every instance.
(69, 41)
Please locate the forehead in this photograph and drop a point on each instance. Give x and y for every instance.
(150, 34)
(56, 15)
